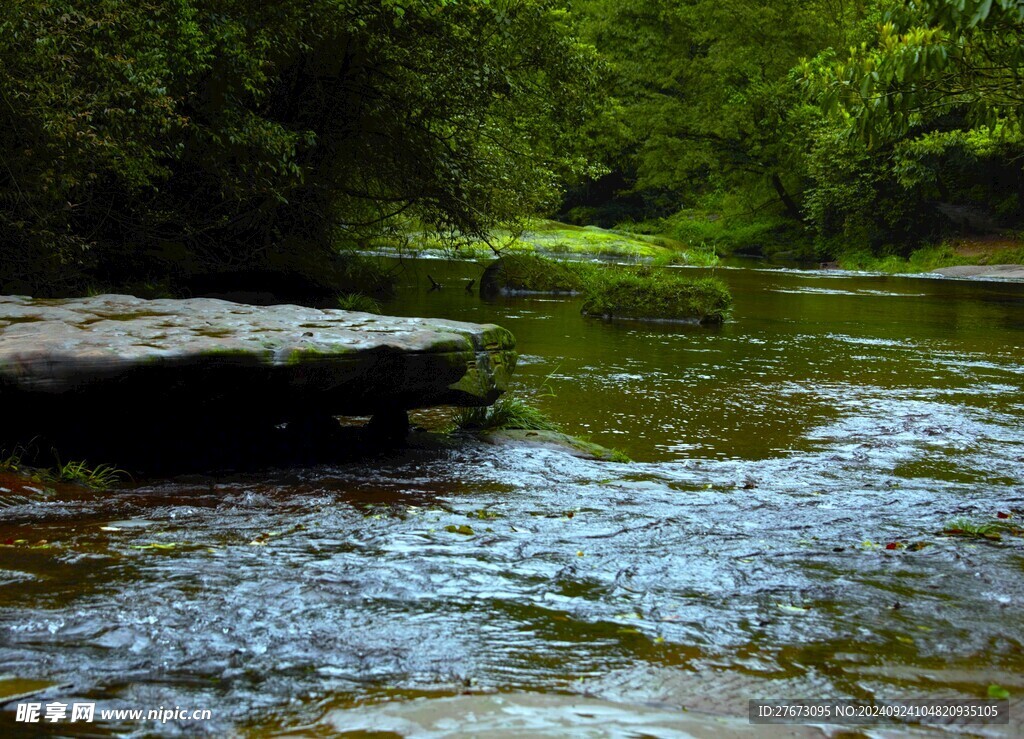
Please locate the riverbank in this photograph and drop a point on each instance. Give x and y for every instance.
(559, 240)
(991, 252)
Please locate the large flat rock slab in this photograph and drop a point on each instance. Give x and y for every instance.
(119, 360)
(983, 271)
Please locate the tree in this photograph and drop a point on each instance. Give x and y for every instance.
(923, 135)
(705, 98)
(931, 58)
(150, 138)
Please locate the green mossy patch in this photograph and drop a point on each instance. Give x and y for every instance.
(551, 237)
(653, 294)
(523, 272)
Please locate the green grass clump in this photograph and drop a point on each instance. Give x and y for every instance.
(619, 456)
(100, 477)
(11, 462)
(970, 530)
(527, 272)
(358, 302)
(701, 255)
(506, 413)
(657, 294)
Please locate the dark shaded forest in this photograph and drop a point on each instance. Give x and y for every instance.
(163, 147)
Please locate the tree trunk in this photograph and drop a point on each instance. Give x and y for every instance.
(792, 209)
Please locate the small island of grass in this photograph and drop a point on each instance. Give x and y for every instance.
(652, 294)
(522, 273)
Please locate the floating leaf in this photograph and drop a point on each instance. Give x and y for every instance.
(997, 692)
(463, 529)
(792, 609)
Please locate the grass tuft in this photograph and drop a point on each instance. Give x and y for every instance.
(506, 413)
(100, 478)
(968, 529)
(358, 302)
(701, 255)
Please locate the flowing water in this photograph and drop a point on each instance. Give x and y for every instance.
(779, 534)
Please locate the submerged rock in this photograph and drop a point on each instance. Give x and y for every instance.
(156, 365)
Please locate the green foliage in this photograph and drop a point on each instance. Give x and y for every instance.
(506, 413)
(925, 259)
(699, 255)
(932, 57)
(966, 528)
(620, 457)
(657, 294)
(100, 477)
(997, 692)
(11, 461)
(358, 302)
(921, 136)
(736, 233)
(146, 140)
(703, 96)
(528, 272)
(852, 126)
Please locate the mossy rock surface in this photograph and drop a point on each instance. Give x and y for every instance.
(561, 239)
(151, 369)
(551, 440)
(522, 273)
(657, 295)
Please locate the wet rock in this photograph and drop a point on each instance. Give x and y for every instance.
(552, 440)
(154, 368)
(983, 271)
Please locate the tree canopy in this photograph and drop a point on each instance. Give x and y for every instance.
(863, 123)
(173, 137)
(195, 134)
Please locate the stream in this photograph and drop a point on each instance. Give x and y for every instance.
(779, 534)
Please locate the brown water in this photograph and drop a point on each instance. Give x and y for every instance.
(743, 555)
